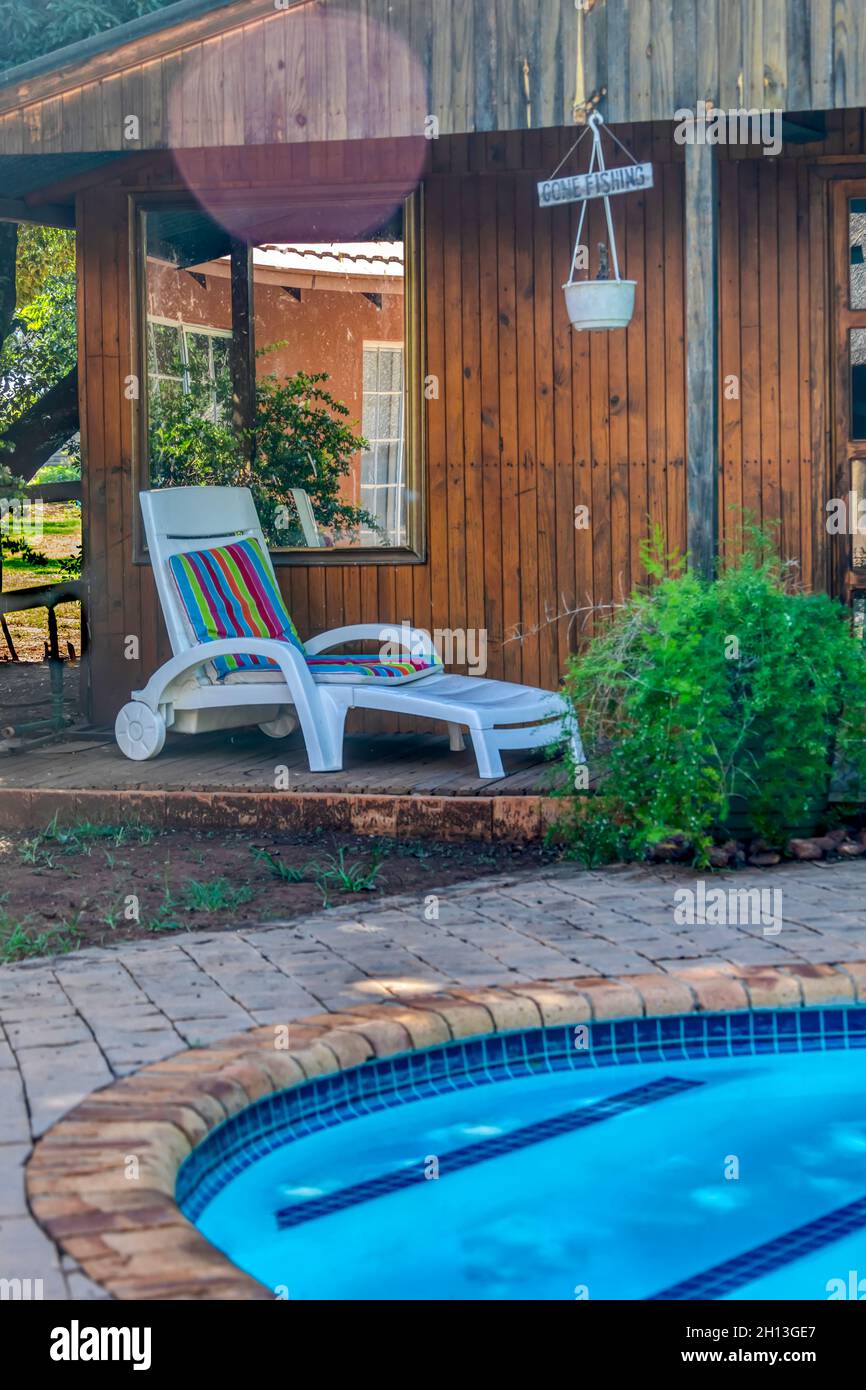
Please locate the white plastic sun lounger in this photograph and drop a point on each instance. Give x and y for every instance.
(186, 695)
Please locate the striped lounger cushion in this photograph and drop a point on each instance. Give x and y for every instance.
(357, 670)
(229, 592)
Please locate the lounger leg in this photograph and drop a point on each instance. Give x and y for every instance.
(487, 754)
(456, 741)
(325, 754)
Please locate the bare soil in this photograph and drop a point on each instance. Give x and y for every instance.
(25, 691)
(96, 886)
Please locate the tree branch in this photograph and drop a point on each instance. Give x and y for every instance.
(8, 265)
(49, 423)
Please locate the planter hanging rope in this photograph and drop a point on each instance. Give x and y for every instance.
(603, 302)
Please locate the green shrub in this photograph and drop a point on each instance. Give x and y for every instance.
(699, 699)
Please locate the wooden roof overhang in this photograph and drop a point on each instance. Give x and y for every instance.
(247, 73)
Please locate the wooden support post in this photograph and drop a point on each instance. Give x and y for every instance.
(243, 355)
(702, 328)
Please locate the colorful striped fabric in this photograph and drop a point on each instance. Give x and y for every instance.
(369, 668)
(229, 592)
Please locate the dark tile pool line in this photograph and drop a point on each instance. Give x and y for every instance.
(386, 1082)
(468, 1155)
(774, 1254)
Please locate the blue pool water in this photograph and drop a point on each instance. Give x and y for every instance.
(562, 1173)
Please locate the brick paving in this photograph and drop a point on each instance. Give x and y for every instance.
(71, 1025)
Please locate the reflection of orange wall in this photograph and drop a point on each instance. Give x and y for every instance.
(324, 332)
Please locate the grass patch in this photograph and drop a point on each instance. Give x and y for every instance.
(199, 895)
(214, 895)
(346, 876)
(79, 839)
(288, 873)
(334, 872)
(19, 942)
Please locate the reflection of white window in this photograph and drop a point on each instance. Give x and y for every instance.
(180, 354)
(383, 462)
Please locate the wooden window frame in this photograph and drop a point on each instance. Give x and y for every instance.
(845, 449)
(414, 552)
(377, 345)
(201, 330)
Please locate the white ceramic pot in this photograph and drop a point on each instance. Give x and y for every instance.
(600, 303)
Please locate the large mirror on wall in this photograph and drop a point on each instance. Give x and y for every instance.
(278, 347)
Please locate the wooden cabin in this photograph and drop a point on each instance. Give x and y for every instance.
(211, 155)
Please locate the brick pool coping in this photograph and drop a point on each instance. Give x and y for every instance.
(128, 1233)
(515, 818)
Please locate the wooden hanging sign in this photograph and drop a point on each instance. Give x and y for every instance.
(600, 183)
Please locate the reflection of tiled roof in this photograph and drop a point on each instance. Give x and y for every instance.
(334, 258)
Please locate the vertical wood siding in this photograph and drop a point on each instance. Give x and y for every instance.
(378, 68)
(774, 443)
(532, 419)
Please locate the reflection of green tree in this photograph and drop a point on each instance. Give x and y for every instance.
(302, 440)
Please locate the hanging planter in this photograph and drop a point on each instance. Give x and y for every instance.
(599, 303)
(605, 301)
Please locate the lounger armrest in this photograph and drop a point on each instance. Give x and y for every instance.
(289, 659)
(411, 639)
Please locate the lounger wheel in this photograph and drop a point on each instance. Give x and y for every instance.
(140, 731)
(282, 726)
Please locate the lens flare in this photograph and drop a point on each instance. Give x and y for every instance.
(306, 76)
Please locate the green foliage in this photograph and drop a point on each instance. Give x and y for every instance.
(700, 698)
(43, 252)
(214, 895)
(187, 447)
(69, 566)
(58, 473)
(333, 871)
(28, 30)
(40, 349)
(80, 837)
(346, 876)
(301, 438)
(289, 873)
(17, 548)
(19, 942)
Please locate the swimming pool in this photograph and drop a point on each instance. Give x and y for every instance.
(693, 1156)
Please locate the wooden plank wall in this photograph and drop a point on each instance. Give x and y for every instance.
(532, 420)
(320, 70)
(656, 55)
(247, 74)
(774, 323)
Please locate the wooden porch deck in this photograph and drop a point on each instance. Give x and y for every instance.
(375, 764)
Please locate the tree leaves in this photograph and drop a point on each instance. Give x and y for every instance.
(701, 697)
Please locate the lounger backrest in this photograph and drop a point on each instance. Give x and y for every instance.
(177, 519)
